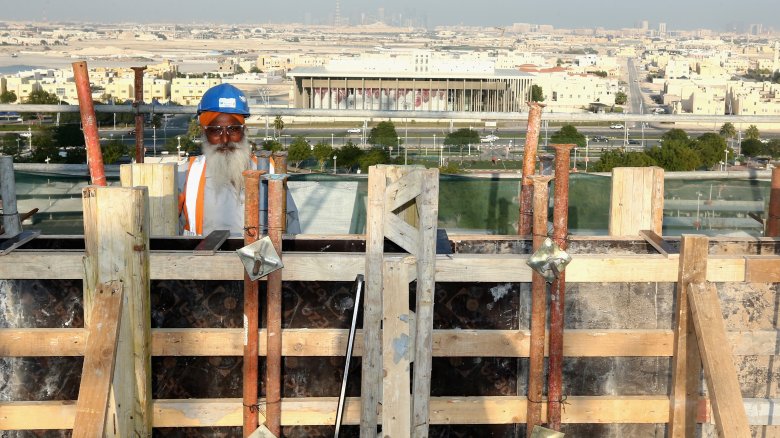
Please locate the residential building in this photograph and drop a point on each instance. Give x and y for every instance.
(188, 91)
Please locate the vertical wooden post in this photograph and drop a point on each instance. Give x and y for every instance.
(686, 361)
(273, 379)
(396, 349)
(160, 180)
(428, 209)
(372, 308)
(637, 201)
(773, 213)
(11, 224)
(116, 224)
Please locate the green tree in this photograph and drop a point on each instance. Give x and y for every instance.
(675, 134)
(299, 151)
(349, 155)
(157, 121)
(278, 126)
(728, 130)
(373, 157)
(8, 96)
(773, 148)
(752, 147)
(255, 69)
(188, 145)
(9, 145)
(461, 138)
(323, 153)
(620, 98)
(383, 134)
(272, 145)
(240, 69)
(620, 158)
(675, 155)
(710, 147)
(752, 133)
(537, 94)
(69, 134)
(568, 134)
(114, 150)
(42, 97)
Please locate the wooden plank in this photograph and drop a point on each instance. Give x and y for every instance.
(311, 266)
(9, 244)
(116, 221)
(760, 269)
(658, 243)
(403, 190)
(160, 181)
(372, 307)
(397, 347)
(322, 411)
(211, 243)
(99, 360)
(331, 342)
(428, 209)
(636, 200)
(686, 362)
(719, 370)
(402, 234)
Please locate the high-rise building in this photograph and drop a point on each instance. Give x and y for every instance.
(662, 29)
(645, 25)
(381, 15)
(337, 14)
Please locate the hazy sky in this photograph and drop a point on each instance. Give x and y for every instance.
(678, 14)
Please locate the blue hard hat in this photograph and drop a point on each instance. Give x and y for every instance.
(224, 98)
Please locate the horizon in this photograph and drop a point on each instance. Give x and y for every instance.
(715, 15)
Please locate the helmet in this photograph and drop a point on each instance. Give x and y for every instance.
(224, 98)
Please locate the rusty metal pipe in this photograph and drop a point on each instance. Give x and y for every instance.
(773, 216)
(273, 377)
(538, 308)
(557, 292)
(279, 160)
(89, 124)
(529, 164)
(251, 305)
(139, 118)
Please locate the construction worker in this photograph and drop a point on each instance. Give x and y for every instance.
(212, 185)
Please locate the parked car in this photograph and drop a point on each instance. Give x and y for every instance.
(353, 130)
(488, 138)
(636, 142)
(599, 139)
(616, 126)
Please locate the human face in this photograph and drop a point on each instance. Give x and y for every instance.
(223, 132)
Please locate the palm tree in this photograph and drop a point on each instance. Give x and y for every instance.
(728, 131)
(752, 133)
(278, 126)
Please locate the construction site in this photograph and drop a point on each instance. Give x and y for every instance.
(402, 330)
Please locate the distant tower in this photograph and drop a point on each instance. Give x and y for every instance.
(337, 14)
(662, 29)
(645, 25)
(381, 15)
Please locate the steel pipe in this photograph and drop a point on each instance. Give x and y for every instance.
(139, 117)
(557, 292)
(529, 166)
(273, 377)
(773, 216)
(538, 307)
(251, 306)
(263, 163)
(89, 124)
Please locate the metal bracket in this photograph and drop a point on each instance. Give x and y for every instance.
(549, 260)
(260, 258)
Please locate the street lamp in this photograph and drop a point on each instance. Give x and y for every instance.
(178, 146)
(441, 155)
(726, 159)
(334, 164)
(331, 141)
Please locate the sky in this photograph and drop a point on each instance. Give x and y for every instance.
(612, 14)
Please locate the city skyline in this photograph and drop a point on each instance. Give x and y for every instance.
(717, 15)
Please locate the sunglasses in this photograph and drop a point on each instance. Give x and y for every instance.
(218, 131)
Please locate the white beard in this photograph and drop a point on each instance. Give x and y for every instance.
(225, 167)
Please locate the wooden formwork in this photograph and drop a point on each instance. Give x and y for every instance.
(687, 267)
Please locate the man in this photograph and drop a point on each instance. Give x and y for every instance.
(212, 196)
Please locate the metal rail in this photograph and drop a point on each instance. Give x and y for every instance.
(417, 115)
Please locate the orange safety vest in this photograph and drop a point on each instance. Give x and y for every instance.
(191, 197)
